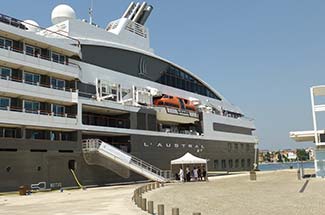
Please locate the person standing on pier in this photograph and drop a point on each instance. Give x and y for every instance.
(181, 174)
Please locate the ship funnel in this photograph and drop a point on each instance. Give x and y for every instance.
(138, 13)
(145, 15)
(134, 11)
(129, 10)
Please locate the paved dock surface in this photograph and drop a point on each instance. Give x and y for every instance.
(114, 200)
(277, 192)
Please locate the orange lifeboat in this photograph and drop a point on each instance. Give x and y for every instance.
(174, 102)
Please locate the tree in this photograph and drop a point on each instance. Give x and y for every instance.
(267, 157)
(302, 155)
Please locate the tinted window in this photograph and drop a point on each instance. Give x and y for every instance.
(143, 66)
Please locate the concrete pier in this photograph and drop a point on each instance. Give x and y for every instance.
(272, 193)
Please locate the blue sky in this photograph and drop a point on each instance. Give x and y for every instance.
(261, 55)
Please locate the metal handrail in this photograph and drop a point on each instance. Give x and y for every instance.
(16, 23)
(22, 51)
(21, 80)
(94, 144)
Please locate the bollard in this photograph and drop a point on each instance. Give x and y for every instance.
(161, 210)
(252, 175)
(175, 211)
(137, 191)
(150, 207)
(157, 184)
(298, 174)
(144, 204)
(136, 199)
(162, 184)
(23, 190)
(153, 186)
(149, 187)
(196, 213)
(145, 188)
(139, 202)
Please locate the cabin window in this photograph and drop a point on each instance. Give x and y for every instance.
(5, 43)
(58, 83)
(31, 106)
(31, 78)
(32, 51)
(4, 103)
(34, 134)
(58, 58)
(5, 73)
(58, 110)
(9, 132)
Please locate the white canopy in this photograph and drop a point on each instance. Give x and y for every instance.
(188, 158)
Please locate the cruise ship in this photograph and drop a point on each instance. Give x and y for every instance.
(80, 104)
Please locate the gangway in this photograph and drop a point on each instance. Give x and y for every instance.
(111, 153)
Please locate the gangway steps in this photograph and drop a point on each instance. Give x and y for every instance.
(125, 159)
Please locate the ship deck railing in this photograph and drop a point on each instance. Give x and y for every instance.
(22, 80)
(38, 112)
(22, 25)
(22, 51)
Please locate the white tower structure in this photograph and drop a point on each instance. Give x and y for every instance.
(316, 135)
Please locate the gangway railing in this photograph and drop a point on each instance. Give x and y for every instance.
(125, 159)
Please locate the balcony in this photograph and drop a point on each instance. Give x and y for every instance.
(18, 116)
(58, 40)
(36, 91)
(38, 63)
(105, 121)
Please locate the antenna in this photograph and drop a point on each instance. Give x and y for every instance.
(91, 12)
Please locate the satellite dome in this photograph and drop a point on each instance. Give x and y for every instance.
(31, 25)
(62, 13)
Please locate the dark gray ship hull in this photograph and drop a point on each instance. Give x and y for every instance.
(26, 162)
